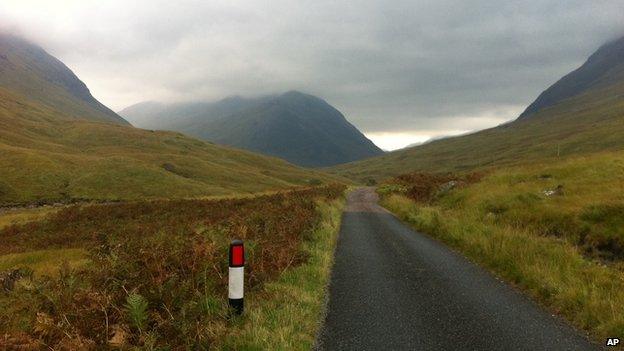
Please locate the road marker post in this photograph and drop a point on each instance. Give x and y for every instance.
(236, 276)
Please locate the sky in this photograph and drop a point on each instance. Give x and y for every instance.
(402, 71)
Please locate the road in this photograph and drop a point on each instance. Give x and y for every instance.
(395, 289)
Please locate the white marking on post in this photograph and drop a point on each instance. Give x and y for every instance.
(236, 282)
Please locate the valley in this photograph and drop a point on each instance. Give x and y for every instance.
(587, 120)
(114, 227)
(50, 153)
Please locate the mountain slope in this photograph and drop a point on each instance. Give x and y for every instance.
(184, 117)
(50, 151)
(28, 70)
(603, 68)
(45, 156)
(297, 127)
(591, 121)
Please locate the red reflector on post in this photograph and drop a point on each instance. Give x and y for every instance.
(237, 254)
(236, 277)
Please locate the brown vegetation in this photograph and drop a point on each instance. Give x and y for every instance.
(158, 268)
(424, 187)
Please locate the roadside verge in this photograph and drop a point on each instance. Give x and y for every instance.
(289, 314)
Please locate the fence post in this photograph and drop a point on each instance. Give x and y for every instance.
(236, 276)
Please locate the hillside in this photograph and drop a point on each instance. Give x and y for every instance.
(46, 156)
(590, 120)
(28, 70)
(603, 68)
(50, 151)
(297, 127)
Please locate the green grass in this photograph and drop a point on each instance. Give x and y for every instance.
(44, 262)
(564, 250)
(583, 125)
(29, 71)
(289, 317)
(45, 156)
(24, 215)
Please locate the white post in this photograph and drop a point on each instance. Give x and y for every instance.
(236, 276)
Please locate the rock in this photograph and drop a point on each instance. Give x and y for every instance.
(448, 186)
(558, 191)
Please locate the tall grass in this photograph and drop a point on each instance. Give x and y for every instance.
(562, 249)
(289, 316)
(157, 274)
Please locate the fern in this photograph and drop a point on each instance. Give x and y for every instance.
(136, 306)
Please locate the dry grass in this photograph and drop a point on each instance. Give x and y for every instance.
(289, 317)
(564, 249)
(169, 254)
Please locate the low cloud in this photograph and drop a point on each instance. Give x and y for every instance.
(420, 67)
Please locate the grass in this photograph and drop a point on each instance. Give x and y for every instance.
(45, 262)
(47, 157)
(24, 215)
(289, 317)
(563, 249)
(154, 273)
(30, 71)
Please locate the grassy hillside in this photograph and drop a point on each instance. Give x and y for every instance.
(586, 123)
(28, 70)
(45, 155)
(555, 229)
(300, 128)
(602, 68)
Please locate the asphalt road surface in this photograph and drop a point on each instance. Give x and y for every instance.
(396, 289)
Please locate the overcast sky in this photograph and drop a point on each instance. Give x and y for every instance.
(401, 71)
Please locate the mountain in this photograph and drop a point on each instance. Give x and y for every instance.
(297, 127)
(184, 117)
(28, 70)
(58, 144)
(603, 68)
(581, 114)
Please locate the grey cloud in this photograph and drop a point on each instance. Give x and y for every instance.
(389, 65)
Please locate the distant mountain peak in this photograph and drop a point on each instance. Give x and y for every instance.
(298, 127)
(297, 93)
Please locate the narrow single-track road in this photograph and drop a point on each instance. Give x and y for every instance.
(396, 289)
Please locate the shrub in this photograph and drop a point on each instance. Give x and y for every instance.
(605, 231)
(171, 254)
